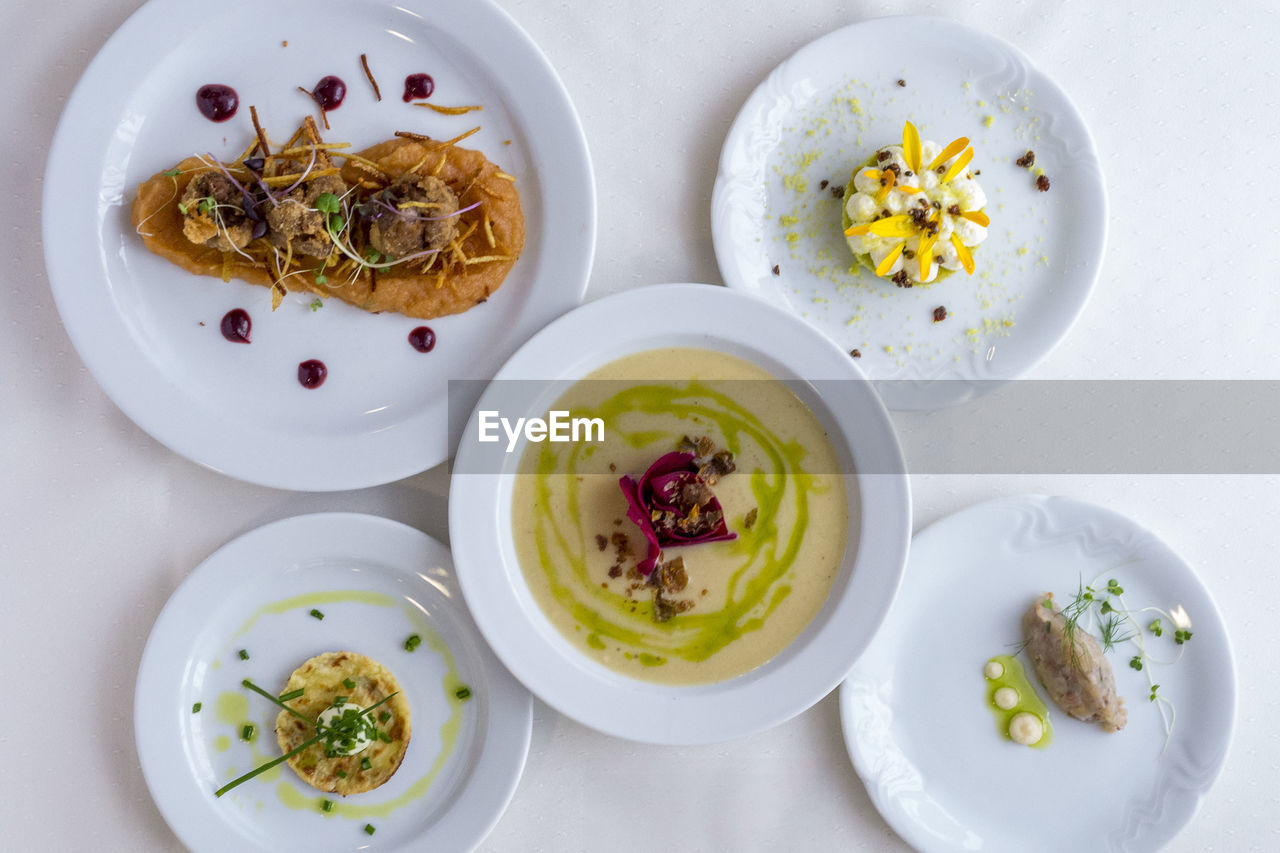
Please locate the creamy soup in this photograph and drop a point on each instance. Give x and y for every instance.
(746, 599)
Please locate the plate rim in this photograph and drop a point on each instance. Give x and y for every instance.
(957, 391)
(163, 414)
(472, 497)
(914, 833)
(153, 661)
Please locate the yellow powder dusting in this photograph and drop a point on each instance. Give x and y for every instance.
(988, 121)
(788, 220)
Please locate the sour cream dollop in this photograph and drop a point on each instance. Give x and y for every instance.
(362, 734)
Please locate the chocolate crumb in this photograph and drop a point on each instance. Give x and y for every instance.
(900, 279)
(941, 170)
(704, 592)
(908, 254)
(954, 210)
(837, 190)
(1042, 183)
(977, 172)
(822, 185)
(284, 43)
(883, 155)
(615, 571)
(939, 314)
(776, 270)
(202, 322)
(1027, 160)
(613, 467)
(855, 352)
(902, 83)
(752, 514)
(601, 542)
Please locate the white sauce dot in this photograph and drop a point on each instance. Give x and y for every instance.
(993, 669)
(1026, 729)
(1005, 698)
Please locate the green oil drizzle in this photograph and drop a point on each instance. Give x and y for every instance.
(310, 600)
(754, 587)
(1028, 700)
(232, 709)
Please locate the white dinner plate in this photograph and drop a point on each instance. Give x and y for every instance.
(149, 331)
(685, 315)
(926, 744)
(376, 582)
(819, 114)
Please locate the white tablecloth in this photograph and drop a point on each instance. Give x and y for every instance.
(99, 523)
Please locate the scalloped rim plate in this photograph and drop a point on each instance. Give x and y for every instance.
(580, 688)
(191, 656)
(836, 100)
(149, 332)
(914, 707)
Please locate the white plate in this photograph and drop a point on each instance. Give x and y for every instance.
(536, 652)
(192, 656)
(149, 332)
(836, 101)
(925, 743)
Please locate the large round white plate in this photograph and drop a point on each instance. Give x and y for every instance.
(149, 332)
(685, 315)
(823, 111)
(914, 707)
(256, 593)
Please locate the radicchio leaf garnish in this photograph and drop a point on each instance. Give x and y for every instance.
(672, 505)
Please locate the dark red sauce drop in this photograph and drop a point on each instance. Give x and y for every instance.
(329, 93)
(422, 339)
(236, 326)
(312, 373)
(417, 86)
(217, 102)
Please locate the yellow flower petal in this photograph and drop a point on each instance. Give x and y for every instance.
(911, 146)
(884, 266)
(890, 178)
(963, 253)
(977, 216)
(893, 226)
(909, 190)
(958, 166)
(950, 151)
(925, 253)
(857, 229)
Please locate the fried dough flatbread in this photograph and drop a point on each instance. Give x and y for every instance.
(322, 679)
(490, 236)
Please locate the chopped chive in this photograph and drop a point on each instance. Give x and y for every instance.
(291, 695)
(412, 643)
(382, 718)
(368, 829)
(195, 709)
(349, 684)
(317, 613)
(366, 764)
(342, 774)
(244, 654)
(339, 700)
(326, 805)
(384, 737)
(463, 693)
(247, 733)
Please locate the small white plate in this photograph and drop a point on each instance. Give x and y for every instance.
(820, 113)
(686, 315)
(406, 586)
(914, 707)
(149, 331)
